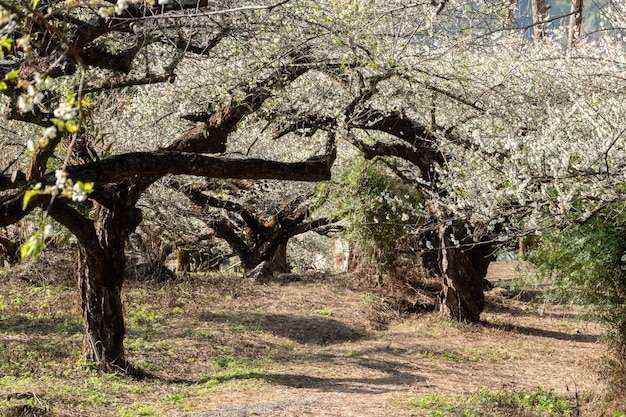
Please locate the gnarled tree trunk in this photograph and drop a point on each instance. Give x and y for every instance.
(463, 266)
(100, 280)
(279, 258)
(100, 284)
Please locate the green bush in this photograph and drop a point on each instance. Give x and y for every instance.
(587, 263)
(376, 206)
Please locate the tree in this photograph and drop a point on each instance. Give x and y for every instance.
(255, 227)
(575, 22)
(268, 76)
(540, 13)
(116, 183)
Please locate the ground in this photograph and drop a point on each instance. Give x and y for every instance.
(299, 346)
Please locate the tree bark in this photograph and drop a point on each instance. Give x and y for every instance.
(100, 280)
(278, 261)
(100, 284)
(540, 12)
(463, 266)
(575, 22)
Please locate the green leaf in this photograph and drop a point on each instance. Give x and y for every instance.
(71, 126)
(86, 186)
(60, 124)
(35, 3)
(3, 85)
(29, 194)
(24, 250)
(6, 42)
(12, 75)
(32, 247)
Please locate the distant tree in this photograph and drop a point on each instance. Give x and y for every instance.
(575, 23)
(540, 14)
(255, 227)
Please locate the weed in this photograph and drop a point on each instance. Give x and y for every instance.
(452, 357)
(426, 354)
(70, 326)
(138, 409)
(326, 312)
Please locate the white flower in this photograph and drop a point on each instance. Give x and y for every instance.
(41, 82)
(79, 194)
(61, 178)
(65, 111)
(120, 6)
(24, 43)
(164, 2)
(36, 96)
(50, 132)
(106, 12)
(25, 103)
(30, 145)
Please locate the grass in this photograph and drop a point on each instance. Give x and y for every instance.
(485, 403)
(211, 341)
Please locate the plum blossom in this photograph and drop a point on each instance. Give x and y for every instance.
(61, 177)
(120, 6)
(50, 132)
(79, 194)
(65, 111)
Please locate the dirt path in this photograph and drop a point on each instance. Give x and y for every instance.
(518, 347)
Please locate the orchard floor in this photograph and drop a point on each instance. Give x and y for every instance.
(300, 346)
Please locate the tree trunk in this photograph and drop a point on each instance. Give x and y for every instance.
(100, 284)
(279, 259)
(100, 281)
(575, 22)
(463, 268)
(540, 12)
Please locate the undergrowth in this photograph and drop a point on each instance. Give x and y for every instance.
(484, 403)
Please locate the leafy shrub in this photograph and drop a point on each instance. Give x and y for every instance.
(376, 206)
(587, 264)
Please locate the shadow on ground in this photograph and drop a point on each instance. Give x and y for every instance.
(533, 331)
(301, 329)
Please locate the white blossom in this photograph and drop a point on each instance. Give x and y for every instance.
(120, 6)
(50, 132)
(79, 194)
(48, 230)
(106, 12)
(61, 177)
(65, 111)
(25, 103)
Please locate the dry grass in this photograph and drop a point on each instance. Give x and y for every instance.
(308, 345)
